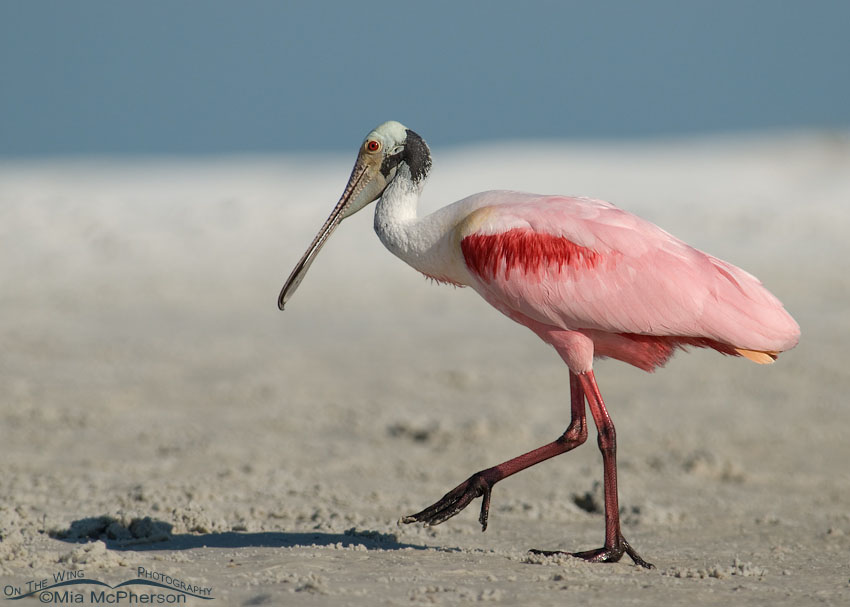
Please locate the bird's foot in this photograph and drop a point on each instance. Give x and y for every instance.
(477, 485)
(603, 555)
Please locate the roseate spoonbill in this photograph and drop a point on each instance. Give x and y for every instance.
(589, 279)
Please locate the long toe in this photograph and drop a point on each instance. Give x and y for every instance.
(613, 555)
(453, 502)
(602, 555)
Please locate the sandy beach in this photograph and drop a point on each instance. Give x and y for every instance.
(160, 419)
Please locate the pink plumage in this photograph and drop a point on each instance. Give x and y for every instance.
(576, 265)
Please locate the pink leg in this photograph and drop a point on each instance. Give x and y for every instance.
(615, 544)
(481, 483)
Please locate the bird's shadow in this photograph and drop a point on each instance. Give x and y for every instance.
(145, 534)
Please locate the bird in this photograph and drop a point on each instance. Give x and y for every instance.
(589, 279)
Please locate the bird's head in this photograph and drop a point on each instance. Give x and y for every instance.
(390, 150)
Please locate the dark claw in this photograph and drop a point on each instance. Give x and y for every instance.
(603, 555)
(456, 500)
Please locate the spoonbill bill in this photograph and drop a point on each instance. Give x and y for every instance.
(589, 279)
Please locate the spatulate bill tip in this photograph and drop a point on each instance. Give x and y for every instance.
(282, 298)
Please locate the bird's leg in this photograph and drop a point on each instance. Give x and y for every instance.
(615, 544)
(481, 483)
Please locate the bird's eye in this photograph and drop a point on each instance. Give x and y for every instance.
(373, 146)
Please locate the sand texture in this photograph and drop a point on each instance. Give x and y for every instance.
(158, 411)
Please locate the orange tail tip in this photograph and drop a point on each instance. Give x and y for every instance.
(758, 356)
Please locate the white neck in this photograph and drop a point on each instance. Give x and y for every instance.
(427, 243)
(396, 215)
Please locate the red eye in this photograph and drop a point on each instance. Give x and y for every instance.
(373, 146)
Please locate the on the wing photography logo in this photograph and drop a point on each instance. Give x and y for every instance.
(74, 588)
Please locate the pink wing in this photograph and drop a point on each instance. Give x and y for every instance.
(578, 263)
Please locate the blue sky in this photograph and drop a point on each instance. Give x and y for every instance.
(214, 77)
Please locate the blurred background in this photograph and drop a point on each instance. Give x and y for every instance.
(163, 165)
(222, 77)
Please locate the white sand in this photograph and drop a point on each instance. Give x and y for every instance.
(146, 375)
